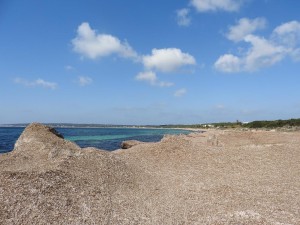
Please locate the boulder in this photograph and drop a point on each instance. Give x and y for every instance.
(130, 144)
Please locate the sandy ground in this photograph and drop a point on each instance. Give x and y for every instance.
(216, 177)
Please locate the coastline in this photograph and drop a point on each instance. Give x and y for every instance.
(215, 177)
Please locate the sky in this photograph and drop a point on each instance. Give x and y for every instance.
(149, 62)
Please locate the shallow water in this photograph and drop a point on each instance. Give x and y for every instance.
(103, 138)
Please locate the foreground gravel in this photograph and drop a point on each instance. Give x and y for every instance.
(216, 177)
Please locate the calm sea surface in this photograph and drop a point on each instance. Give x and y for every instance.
(103, 138)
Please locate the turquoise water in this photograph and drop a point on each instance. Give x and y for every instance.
(96, 137)
(104, 138)
(111, 138)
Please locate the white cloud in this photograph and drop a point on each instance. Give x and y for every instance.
(163, 60)
(183, 18)
(167, 60)
(217, 5)
(92, 45)
(151, 78)
(245, 27)
(284, 41)
(180, 92)
(84, 81)
(288, 33)
(228, 63)
(39, 82)
(295, 54)
(263, 53)
(286, 28)
(147, 76)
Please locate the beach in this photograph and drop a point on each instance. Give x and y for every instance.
(215, 177)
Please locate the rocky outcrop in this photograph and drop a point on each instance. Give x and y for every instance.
(130, 143)
(49, 180)
(41, 147)
(247, 178)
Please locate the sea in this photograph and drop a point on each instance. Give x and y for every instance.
(103, 138)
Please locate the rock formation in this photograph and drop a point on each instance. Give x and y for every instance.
(130, 143)
(248, 178)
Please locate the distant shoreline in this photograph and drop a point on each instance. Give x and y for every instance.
(96, 127)
(264, 124)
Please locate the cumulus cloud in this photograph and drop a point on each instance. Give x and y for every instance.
(245, 27)
(180, 92)
(151, 78)
(84, 81)
(284, 41)
(263, 53)
(217, 5)
(92, 45)
(163, 60)
(288, 28)
(183, 18)
(228, 63)
(167, 60)
(36, 83)
(288, 33)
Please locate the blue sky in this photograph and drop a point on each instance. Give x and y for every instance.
(149, 62)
